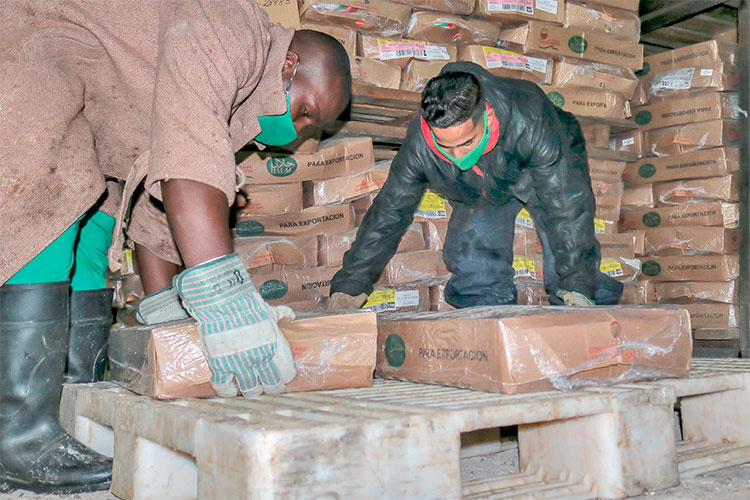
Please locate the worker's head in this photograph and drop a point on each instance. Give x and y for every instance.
(453, 107)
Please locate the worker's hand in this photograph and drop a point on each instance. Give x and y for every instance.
(239, 331)
(574, 299)
(340, 301)
(160, 307)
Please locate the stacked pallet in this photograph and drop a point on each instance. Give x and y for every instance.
(684, 194)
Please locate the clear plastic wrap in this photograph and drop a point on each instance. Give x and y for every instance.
(414, 268)
(713, 315)
(309, 222)
(712, 213)
(434, 233)
(684, 82)
(670, 112)
(514, 349)
(279, 198)
(261, 254)
(448, 29)
(617, 245)
(532, 293)
(333, 246)
(631, 5)
(604, 20)
(437, 299)
(686, 292)
(638, 196)
(361, 205)
(608, 199)
(459, 7)
(632, 141)
(519, 11)
(638, 293)
(691, 267)
(346, 188)
(378, 73)
(606, 170)
(166, 361)
(416, 75)
(692, 137)
(401, 52)
(295, 286)
(621, 268)
(698, 164)
(710, 51)
(724, 188)
(588, 102)
(509, 64)
(346, 36)
(373, 16)
(400, 299)
(691, 240)
(576, 73)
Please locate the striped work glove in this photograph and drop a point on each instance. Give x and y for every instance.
(239, 331)
(160, 307)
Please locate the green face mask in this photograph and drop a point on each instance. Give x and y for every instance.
(472, 157)
(278, 130)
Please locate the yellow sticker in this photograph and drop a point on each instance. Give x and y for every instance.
(524, 266)
(381, 300)
(611, 267)
(432, 206)
(600, 226)
(524, 214)
(129, 260)
(524, 219)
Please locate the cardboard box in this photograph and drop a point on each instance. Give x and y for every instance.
(310, 222)
(518, 11)
(285, 253)
(632, 141)
(638, 293)
(532, 294)
(528, 267)
(446, 29)
(621, 268)
(414, 268)
(691, 268)
(685, 292)
(713, 315)
(347, 37)
(432, 207)
(333, 246)
(707, 52)
(577, 73)
(514, 349)
(501, 62)
(608, 198)
(666, 113)
(401, 52)
(604, 21)
(437, 299)
(461, 7)
(345, 188)
(373, 16)
(295, 286)
(377, 73)
(335, 157)
(606, 170)
(712, 213)
(724, 188)
(588, 102)
(691, 240)
(361, 205)
(631, 5)
(549, 39)
(526, 243)
(418, 73)
(697, 164)
(283, 12)
(617, 245)
(596, 134)
(640, 195)
(398, 299)
(434, 233)
(681, 82)
(601, 226)
(166, 361)
(272, 198)
(693, 136)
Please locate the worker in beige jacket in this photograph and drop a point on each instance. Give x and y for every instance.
(155, 95)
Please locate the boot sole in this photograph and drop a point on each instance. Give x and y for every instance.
(7, 485)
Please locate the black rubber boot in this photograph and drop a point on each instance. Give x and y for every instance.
(90, 322)
(35, 451)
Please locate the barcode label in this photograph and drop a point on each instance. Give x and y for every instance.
(611, 267)
(432, 206)
(499, 58)
(524, 219)
(523, 267)
(436, 53)
(628, 141)
(600, 226)
(538, 64)
(676, 79)
(381, 307)
(394, 50)
(707, 72)
(381, 300)
(522, 6)
(407, 298)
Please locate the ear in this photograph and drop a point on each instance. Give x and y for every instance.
(490, 115)
(290, 61)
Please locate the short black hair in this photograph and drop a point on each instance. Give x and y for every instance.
(451, 98)
(333, 57)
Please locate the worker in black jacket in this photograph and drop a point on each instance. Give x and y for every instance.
(490, 146)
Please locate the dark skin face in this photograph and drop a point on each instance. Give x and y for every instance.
(460, 139)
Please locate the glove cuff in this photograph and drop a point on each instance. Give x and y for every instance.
(154, 304)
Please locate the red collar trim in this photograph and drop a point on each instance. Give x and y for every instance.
(494, 135)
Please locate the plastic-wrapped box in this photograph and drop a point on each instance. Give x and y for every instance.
(417, 73)
(400, 52)
(501, 62)
(686, 292)
(346, 36)
(588, 102)
(682, 82)
(377, 73)
(434, 233)
(713, 315)
(166, 361)
(606, 170)
(669, 112)
(461, 7)
(692, 137)
(449, 29)
(608, 199)
(412, 268)
(631, 141)
(724, 188)
(333, 246)
(691, 268)
(361, 205)
(532, 293)
(345, 188)
(437, 299)
(518, 11)
(309, 222)
(631, 5)
(399, 299)
(617, 245)
(606, 21)
(570, 72)
(295, 286)
(711, 213)
(711, 51)
(373, 16)
(264, 254)
(638, 293)
(272, 198)
(514, 349)
(692, 165)
(638, 196)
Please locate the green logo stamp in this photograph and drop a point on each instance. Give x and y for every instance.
(557, 99)
(643, 117)
(273, 289)
(578, 44)
(281, 166)
(647, 170)
(395, 350)
(249, 228)
(651, 268)
(645, 71)
(651, 219)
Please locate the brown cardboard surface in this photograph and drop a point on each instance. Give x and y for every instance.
(546, 38)
(682, 82)
(603, 20)
(398, 299)
(724, 188)
(596, 134)
(639, 246)
(713, 315)
(345, 188)
(692, 136)
(272, 198)
(617, 245)
(501, 62)
(310, 222)
(361, 205)
(515, 349)
(639, 195)
(638, 293)
(330, 352)
(686, 292)
(283, 12)
(631, 5)
(691, 240)
(712, 213)
(526, 243)
(437, 299)
(418, 73)
(691, 268)
(462, 7)
(588, 102)
(696, 164)
(333, 246)
(410, 268)
(608, 199)
(373, 16)
(346, 36)
(401, 51)
(669, 112)
(632, 141)
(577, 73)
(532, 294)
(707, 52)
(434, 233)
(447, 29)
(295, 286)
(334, 158)
(518, 11)
(377, 73)
(290, 253)
(606, 170)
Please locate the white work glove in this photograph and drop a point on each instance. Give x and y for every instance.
(340, 301)
(239, 332)
(160, 307)
(575, 299)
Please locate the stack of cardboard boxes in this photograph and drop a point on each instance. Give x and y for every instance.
(683, 194)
